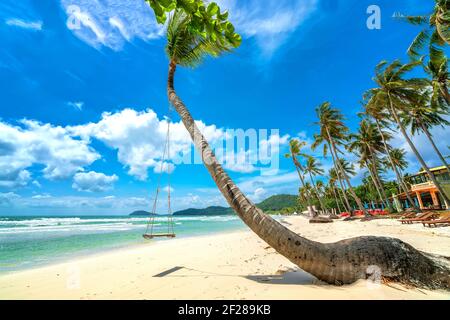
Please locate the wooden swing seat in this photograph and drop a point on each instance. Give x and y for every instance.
(158, 235)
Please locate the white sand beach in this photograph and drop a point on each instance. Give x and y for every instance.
(234, 265)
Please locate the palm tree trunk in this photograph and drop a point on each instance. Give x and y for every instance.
(393, 112)
(335, 263)
(342, 201)
(324, 209)
(336, 198)
(444, 91)
(297, 167)
(346, 202)
(394, 167)
(349, 207)
(357, 199)
(427, 132)
(377, 177)
(375, 183)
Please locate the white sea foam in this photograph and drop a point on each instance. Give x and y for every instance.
(41, 222)
(73, 228)
(77, 225)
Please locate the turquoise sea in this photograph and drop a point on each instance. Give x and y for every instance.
(27, 242)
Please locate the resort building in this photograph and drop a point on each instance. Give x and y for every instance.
(424, 192)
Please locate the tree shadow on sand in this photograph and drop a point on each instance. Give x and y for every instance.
(284, 277)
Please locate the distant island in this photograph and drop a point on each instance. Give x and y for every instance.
(141, 213)
(209, 211)
(282, 203)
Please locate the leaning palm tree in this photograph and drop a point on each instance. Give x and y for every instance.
(332, 178)
(421, 117)
(374, 108)
(436, 36)
(400, 94)
(396, 160)
(295, 147)
(312, 168)
(436, 28)
(321, 188)
(437, 69)
(333, 133)
(367, 143)
(349, 170)
(347, 167)
(336, 263)
(340, 180)
(364, 163)
(398, 157)
(303, 195)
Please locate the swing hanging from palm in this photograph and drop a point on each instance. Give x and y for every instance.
(150, 232)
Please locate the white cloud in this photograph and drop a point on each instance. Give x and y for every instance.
(78, 105)
(258, 195)
(139, 138)
(41, 196)
(36, 184)
(8, 198)
(269, 22)
(198, 199)
(125, 204)
(30, 25)
(282, 182)
(165, 167)
(111, 23)
(93, 181)
(11, 178)
(34, 143)
(116, 22)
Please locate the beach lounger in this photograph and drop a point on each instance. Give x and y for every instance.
(408, 215)
(423, 217)
(358, 213)
(434, 223)
(442, 219)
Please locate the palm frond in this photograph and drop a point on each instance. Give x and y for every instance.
(415, 20)
(418, 44)
(187, 47)
(402, 69)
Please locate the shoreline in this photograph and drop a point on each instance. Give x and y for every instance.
(39, 241)
(98, 252)
(234, 264)
(114, 251)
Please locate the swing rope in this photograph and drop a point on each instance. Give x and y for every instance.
(170, 222)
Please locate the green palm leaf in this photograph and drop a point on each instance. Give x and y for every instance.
(418, 43)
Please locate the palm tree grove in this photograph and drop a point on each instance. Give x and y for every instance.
(399, 102)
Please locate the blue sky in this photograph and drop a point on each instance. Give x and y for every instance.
(82, 109)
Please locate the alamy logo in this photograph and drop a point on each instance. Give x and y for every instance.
(374, 19)
(243, 150)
